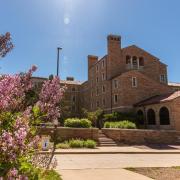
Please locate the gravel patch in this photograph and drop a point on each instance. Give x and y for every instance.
(162, 173)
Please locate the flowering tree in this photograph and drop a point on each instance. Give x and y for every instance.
(49, 99)
(6, 44)
(18, 140)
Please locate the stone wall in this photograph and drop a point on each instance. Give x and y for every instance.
(146, 88)
(138, 136)
(69, 133)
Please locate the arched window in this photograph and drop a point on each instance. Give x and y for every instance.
(151, 117)
(140, 117)
(164, 116)
(141, 61)
(134, 61)
(128, 59)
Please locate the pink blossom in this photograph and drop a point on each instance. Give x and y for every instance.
(50, 97)
(13, 89)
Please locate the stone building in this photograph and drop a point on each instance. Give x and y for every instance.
(128, 79)
(71, 100)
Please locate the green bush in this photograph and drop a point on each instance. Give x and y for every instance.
(64, 145)
(77, 123)
(122, 124)
(76, 143)
(50, 175)
(119, 116)
(90, 144)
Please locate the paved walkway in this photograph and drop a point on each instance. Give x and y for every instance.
(101, 174)
(122, 149)
(114, 161)
(109, 166)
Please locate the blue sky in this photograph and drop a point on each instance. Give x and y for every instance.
(80, 27)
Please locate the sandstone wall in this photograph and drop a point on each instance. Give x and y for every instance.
(131, 136)
(69, 133)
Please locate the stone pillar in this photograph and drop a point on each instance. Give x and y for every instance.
(137, 63)
(131, 63)
(157, 118)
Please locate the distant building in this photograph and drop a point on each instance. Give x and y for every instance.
(128, 79)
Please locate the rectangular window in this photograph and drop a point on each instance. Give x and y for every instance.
(73, 99)
(97, 68)
(103, 63)
(103, 89)
(115, 84)
(163, 78)
(134, 82)
(115, 99)
(97, 79)
(103, 76)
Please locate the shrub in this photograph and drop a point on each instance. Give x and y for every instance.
(64, 145)
(76, 143)
(122, 124)
(90, 144)
(50, 175)
(119, 116)
(77, 123)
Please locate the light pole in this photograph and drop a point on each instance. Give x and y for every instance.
(58, 49)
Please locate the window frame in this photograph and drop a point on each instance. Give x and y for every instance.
(115, 83)
(97, 79)
(97, 68)
(103, 76)
(164, 79)
(134, 82)
(103, 88)
(115, 99)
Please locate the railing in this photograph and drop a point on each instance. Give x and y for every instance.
(129, 66)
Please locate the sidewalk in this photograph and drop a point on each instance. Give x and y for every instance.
(101, 174)
(120, 150)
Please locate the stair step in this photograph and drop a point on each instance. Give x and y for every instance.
(105, 141)
(108, 145)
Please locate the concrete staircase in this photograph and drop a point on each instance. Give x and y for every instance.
(104, 141)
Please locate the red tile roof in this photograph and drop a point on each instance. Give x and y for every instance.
(159, 99)
(71, 82)
(173, 84)
(62, 81)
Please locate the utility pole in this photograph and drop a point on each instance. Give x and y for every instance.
(58, 49)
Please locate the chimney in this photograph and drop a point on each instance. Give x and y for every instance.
(69, 78)
(114, 43)
(92, 60)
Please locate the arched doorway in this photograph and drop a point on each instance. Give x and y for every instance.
(164, 116)
(151, 117)
(140, 117)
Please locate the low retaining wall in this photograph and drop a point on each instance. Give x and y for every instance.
(69, 133)
(139, 136)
